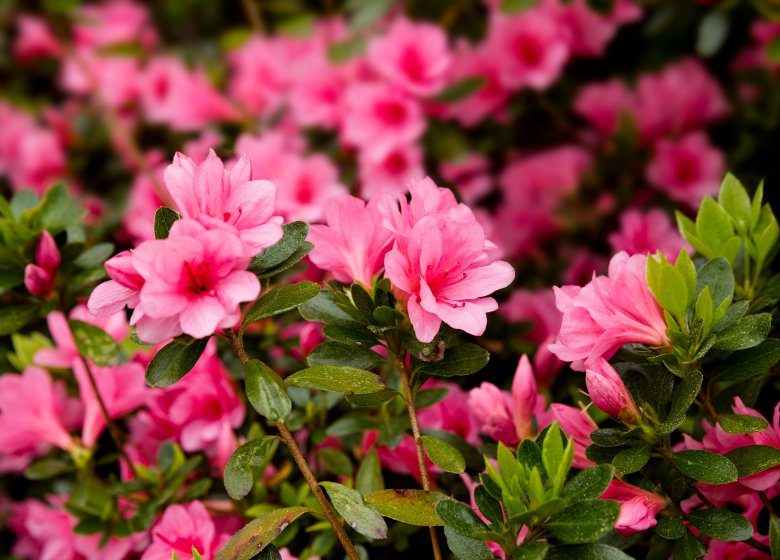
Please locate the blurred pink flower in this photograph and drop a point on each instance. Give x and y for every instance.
(354, 243)
(180, 528)
(39, 278)
(608, 392)
(412, 56)
(638, 507)
(117, 22)
(316, 97)
(647, 233)
(219, 199)
(198, 149)
(531, 48)
(303, 184)
(579, 425)
(43, 533)
(379, 117)
(392, 172)
(34, 39)
(603, 103)
(687, 169)
(471, 176)
(143, 202)
(261, 74)
(607, 313)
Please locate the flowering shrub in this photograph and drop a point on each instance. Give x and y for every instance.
(302, 281)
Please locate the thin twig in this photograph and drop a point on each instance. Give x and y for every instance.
(767, 504)
(253, 14)
(300, 460)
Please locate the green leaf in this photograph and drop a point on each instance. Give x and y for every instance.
(463, 359)
(338, 354)
(369, 476)
(94, 343)
(335, 461)
(602, 455)
(415, 507)
(751, 459)
(610, 437)
(46, 469)
(747, 363)
(735, 200)
(368, 12)
(444, 455)
(347, 425)
(586, 552)
(683, 399)
(552, 450)
(472, 455)
(293, 237)
(705, 310)
(688, 547)
(361, 516)
(270, 552)
(747, 332)
(461, 518)
(705, 466)
(173, 362)
(584, 521)
(11, 269)
(538, 515)
(323, 309)
(258, 533)
(670, 527)
(653, 275)
(94, 256)
(338, 379)
(163, 221)
(730, 316)
(373, 399)
(15, 317)
(238, 471)
(531, 551)
(515, 6)
(711, 34)
(465, 548)
(385, 316)
(466, 87)
(588, 484)
(301, 251)
(363, 302)
(488, 506)
(57, 211)
(713, 226)
(685, 267)
(721, 524)
(673, 294)
(266, 391)
(716, 274)
(430, 397)
(279, 300)
(350, 337)
(632, 459)
(774, 536)
(741, 424)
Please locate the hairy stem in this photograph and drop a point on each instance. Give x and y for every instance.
(300, 460)
(705, 401)
(113, 430)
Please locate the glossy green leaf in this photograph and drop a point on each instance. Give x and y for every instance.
(163, 221)
(747, 363)
(774, 536)
(741, 423)
(415, 507)
(369, 475)
(683, 398)
(266, 391)
(465, 548)
(688, 547)
(586, 552)
(747, 332)
(14, 317)
(360, 515)
(173, 362)
(350, 337)
(94, 343)
(335, 461)
(751, 459)
(721, 524)
(716, 274)
(338, 379)
(461, 518)
(632, 459)
(673, 293)
(731, 315)
(323, 309)
(735, 200)
(467, 87)
(238, 471)
(258, 533)
(584, 521)
(705, 466)
(610, 437)
(588, 484)
(444, 455)
(472, 455)
(373, 399)
(531, 551)
(463, 359)
(670, 527)
(602, 455)
(294, 235)
(279, 300)
(338, 354)
(430, 397)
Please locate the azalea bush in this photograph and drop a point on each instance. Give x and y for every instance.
(370, 279)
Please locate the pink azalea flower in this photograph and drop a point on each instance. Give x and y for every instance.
(304, 183)
(122, 389)
(392, 172)
(225, 200)
(538, 307)
(647, 233)
(579, 425)
(261, 74)
(198, 149)
(379, 117)
(582, 265)
(114, 23)
(34, 39)
(143, 202)
(603, 103)
(123, 288)
(470, 176)
(317, 94)
(444, 277)
(638, 507)
(33, 412)
(180, 528)
(354, 243)
(607, 313)
(687, 169)
(43, 532)
(39, 278)
(413, 56)
(531, 47)
(114, 77)
(609, 393)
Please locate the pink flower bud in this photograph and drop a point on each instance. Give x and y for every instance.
(523, 397)
(47, 254)
(638, 507)
(489, 404)
(608, 392)
(37, 280)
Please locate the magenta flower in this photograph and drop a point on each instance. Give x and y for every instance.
(225, 200)
(603, 103)
(182, 527)
(354, 243)
(413, 56)
(607, 313)
(579, 425)
(609, 393)
(641, 234)
(39, 278)
(444, 276)
(34, 39)
(391, 173)
(638, 507)
(123, 288)
(471, 176)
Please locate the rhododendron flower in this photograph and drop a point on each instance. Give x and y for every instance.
(688, 169)
(39, 278)
(379, 117)
(303, 186)
(354, 243)
(122, 389)
(413, 56)
(607, 313)
(32, 410)
(123, 288)
(638, 507)
(34, 39)
(603, 103)
(531, 46)
(609, 393)
(641, 234)
(392, 172)
(507, 418)
(579, 425)
(443, 276)
(469, 175)
(226, 200)
(180, 528)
